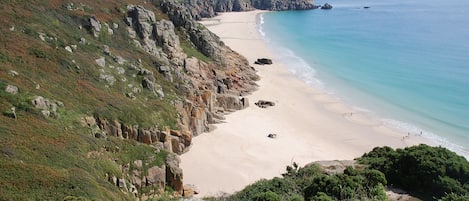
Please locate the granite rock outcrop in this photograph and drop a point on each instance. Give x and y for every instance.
(209, 8)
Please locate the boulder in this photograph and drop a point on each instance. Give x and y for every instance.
(11, 89)
(326, 6)
(94, 26)
(89, 120)
(144, 136)
(133, 190)
(231, 102)
(156, 177)
(136, 181)
(187, 137)
(138, 164)
(68, 49)
(192, 65)
(148, 84)
(164, 136)
(175, 133)
(174, 175)
(46, 106)
(13, 73)
(99, 135)
(115, 129)
(103, 124)
(264, 104)
(272, 135)
(176, 146)
(165, 71)
(263, 61)
(190, 190)
(122, 184)
(101, 62)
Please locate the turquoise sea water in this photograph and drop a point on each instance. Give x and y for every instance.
(404, 62)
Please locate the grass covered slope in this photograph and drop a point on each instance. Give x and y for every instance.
(60, 76)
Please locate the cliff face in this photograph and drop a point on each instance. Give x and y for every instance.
(208, 8)
(101, 96)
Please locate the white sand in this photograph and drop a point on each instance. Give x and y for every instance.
(310, 124)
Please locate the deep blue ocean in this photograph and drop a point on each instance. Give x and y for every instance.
(405, 62)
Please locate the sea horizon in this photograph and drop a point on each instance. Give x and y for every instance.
(392, 62)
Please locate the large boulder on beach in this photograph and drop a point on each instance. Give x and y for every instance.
(263, 61)
(264, 103)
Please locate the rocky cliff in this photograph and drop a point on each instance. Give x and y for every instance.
(208, 8)
(100, 97)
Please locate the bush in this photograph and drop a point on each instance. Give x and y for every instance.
(321, 197)
(454, 197)
(432, 171)
(309, 183)
(266, 196)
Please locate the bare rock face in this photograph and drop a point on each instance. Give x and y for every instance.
(205, 8)
(277, 5)
(156, 176)
(158, 36)
(166, 37)
(232, 102)
(142, 20)
(48, 108)
(174, 175)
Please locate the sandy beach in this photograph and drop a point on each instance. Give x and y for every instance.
(310, 124)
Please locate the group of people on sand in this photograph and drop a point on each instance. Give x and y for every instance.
(408, 135)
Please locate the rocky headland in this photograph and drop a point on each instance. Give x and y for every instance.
(128, 84)
(206, 9)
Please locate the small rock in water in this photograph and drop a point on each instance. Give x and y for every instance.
(326, 6)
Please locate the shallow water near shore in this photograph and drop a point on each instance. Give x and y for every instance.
(403, 63)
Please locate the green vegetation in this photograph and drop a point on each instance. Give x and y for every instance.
(189, 48)
(58, 158)
(454, 197)
(428, 172)
(311, 183)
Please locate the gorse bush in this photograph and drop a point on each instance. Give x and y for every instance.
(310, 183)
(431, 171)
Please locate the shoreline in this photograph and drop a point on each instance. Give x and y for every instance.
(310, 124)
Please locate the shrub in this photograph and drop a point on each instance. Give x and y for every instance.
(432, 171)
(309, 183)
(321, 197)
(454, 197)
(266, 196)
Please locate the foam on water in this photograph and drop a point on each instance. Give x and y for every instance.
(260, 27)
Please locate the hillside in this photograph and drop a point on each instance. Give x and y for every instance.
(98, 98)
